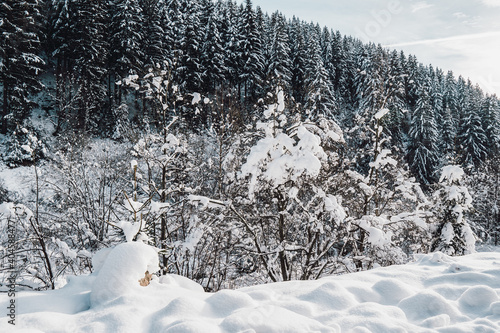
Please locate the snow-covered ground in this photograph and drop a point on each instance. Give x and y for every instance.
(436, 293)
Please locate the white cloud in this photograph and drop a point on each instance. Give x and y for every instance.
(452, 38)
(471, 55)
(491, 3)
(419, 6)
(459, 15)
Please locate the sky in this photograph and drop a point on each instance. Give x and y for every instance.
(458, 35)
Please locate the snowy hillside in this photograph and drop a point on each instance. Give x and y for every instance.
(436, 293)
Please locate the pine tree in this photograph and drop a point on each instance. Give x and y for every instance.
(319, 100)
(490, 109)
(190, 70)
(472, 140)
(126, 53)
(280, 63)
(339, 63)
(213, 58)
(299, 61)
(20, 63)
(174, 28)
(90, 60)
(60, 46)
(372, 92)
(422, 154)
(251, 58)
(396, 125)
(453, 235)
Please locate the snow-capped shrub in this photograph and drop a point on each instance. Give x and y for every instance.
(24, 148)
(453, 236)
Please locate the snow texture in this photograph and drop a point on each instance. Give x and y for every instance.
(451, 173)
(282, 158)
(436, 293)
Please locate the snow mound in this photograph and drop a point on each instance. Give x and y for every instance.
(436, 293)
(121, 271)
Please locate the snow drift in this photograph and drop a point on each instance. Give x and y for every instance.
(435, 293)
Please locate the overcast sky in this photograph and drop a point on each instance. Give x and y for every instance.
(458, 35)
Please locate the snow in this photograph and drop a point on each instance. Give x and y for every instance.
(18, 180)
(383, 159)
(381, 113)
(435, 293)
(196, 98)
(284, 158)
(451, 173)
(124, 266)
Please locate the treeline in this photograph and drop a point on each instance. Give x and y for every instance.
(237, 54)
(223, 107)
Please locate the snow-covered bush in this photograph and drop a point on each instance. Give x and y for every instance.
(82, 194)
(38, 258)
(288, 218)
(23, 148)
(387, 207)
(454, 235)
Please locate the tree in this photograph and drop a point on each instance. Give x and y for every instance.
(80, 44)
(299, 61)
(422, 150)
(472, 139)
(20, 61)
(126, 54)
(453, 235)
(190, 70)
(283, 171)
(280, 64)
(213, 58)
(157, 38)
(319, 100)
(250, 47)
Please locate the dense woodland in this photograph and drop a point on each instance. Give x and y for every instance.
(248, 147)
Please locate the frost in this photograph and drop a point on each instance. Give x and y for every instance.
(376, 236)
(366, 189)
(447, 233)
(27, 149)
(64, 248)
(133, 206)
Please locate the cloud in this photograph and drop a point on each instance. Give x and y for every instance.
(459, 15)
(491, 3)
(421, 5)
(447, 39)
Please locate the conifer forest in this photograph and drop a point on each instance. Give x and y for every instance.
(248, 147)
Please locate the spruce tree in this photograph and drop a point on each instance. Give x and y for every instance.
(299, 61)
(213, 58)
(20, 63)
(126, 53)
(320, 100)
(422, 154)
(250, 46)
(90, 59)
(190, 69)
(280, 65)
(472, 139)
